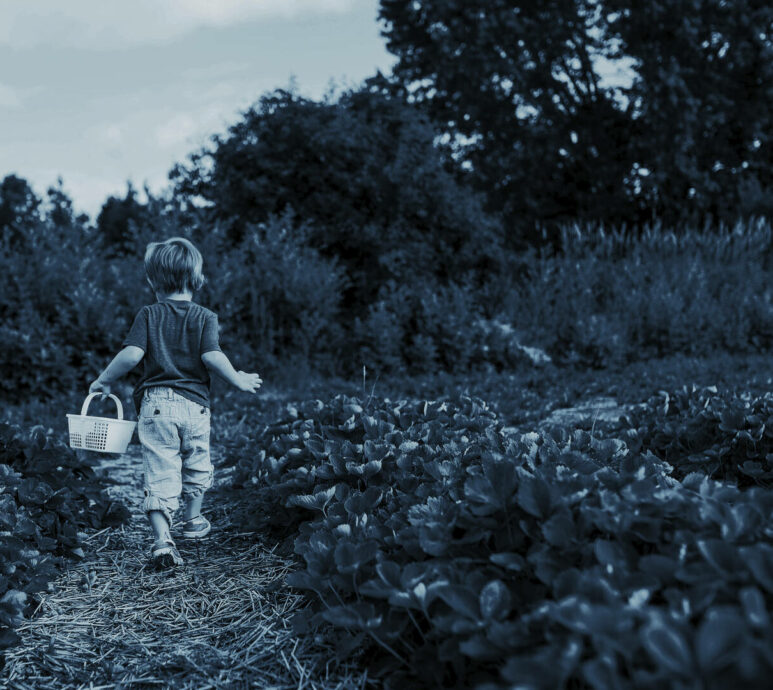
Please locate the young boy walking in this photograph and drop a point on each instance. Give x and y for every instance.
(178, 340)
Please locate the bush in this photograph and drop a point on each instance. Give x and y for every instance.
(364, 171)
(276, 297)
(428, 328)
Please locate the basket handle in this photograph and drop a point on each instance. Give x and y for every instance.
(91, 396)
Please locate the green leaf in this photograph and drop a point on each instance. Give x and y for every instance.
(478, 647)
(360, 616)
(668, 648)
(461, 599)
(754, 607)
(759, 559)
(718, 638)
(610, 553)
(434, 538)
(364, 470)
(301, 579)
(350, 556)
(363, 502)
(33, 492)
(317, 501)
(389, 572)
(509, 561)
(8, 638)
(559, 530)
(723, 557)
(534, 496)
(494, 600)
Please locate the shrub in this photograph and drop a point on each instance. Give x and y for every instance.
(277, 298)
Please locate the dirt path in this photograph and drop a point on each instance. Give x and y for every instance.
(219, 621)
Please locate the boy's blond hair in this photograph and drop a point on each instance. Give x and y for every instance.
(174, 265)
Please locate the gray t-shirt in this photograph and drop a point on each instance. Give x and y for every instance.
(174, 335)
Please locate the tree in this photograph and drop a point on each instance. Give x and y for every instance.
(363, 172)
(704, 94)
(119, 222)
(517, 83)
(59, 209)
(19, 209)
(520, 83)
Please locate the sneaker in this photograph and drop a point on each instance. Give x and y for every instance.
(165, 554)
(196, 528)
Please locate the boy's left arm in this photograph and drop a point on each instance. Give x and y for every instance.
(122, 364)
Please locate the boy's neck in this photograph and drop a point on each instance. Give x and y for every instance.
(176, 296)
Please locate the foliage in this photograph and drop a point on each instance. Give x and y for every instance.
(433, 327)
(18, 209)
(702, 429)
(468, 557)
(363, 172)
(63, 310)
(527, 92)
(46, 495)
(279, 298)
(703, 93)
(519, 83)
(120, 221)
(609, 298)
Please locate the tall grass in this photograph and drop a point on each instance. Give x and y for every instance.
(606, 297)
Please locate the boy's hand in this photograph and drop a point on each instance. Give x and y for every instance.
(249, 383)
(99, 386)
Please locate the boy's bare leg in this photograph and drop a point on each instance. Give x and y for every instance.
(159, 524)
(193, 506)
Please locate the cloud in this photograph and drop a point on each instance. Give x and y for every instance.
(9, 97)
(176, 131)
(97, 24)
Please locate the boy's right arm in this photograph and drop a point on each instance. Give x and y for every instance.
(218, 363)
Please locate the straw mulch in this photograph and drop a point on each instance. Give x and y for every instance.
(219, 621)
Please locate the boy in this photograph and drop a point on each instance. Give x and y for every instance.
(178, 339)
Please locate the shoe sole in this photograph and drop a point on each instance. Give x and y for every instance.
(166, 560)
(198, 534)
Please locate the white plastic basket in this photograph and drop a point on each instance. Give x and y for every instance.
(103, 434)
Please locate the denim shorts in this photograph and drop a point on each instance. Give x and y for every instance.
(174, 433)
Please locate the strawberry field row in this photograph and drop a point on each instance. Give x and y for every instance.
(462, 555)
(47, 494)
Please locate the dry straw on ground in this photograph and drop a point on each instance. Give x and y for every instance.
(219, 621)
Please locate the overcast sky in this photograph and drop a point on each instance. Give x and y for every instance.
(102, 91)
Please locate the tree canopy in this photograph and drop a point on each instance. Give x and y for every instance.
(362, 171)
(523, 87)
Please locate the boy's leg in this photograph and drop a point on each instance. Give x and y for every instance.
(193, 506)
(159, 525)
(197, 472)
(160, 441)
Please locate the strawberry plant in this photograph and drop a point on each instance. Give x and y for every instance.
(461, 556)
(46, 495)
(723, 434)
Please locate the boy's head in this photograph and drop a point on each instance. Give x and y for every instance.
(174, 265)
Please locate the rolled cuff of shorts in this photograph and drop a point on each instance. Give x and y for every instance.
(152, 503)
(198, 489)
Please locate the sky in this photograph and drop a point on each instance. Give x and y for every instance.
(104, 91)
